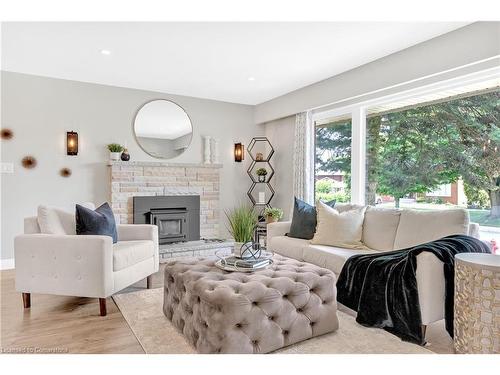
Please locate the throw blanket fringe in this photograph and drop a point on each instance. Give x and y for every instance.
(382, 287)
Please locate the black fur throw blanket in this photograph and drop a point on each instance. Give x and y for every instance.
(382, 287)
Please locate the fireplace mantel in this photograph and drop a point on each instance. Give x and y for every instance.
(161, 164)
(129, 179)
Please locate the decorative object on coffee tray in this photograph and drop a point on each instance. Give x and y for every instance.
(261, 192)
(249, 251)
(115, 151)
(273, 214)
(28, 162)
(242, 221)
(262, 260)
(261, 174)
(6, 134)
(65, 172)
(125, 156)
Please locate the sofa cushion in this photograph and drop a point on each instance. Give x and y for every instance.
(287, 246)
(380, 227)
(332, 258)
(128, 253)
(339, 229)
(330, 203)
(343, 207)
(418, 227)
(56, 220)
(303, 220)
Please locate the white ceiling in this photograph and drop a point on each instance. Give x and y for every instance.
(207, 60)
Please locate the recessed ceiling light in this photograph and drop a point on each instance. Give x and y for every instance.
(106, 52)
(251, 78)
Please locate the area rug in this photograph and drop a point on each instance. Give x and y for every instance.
(143, 312)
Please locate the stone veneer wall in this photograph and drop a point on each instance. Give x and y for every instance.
(130, 179)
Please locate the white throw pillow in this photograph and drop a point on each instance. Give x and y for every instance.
(56, 220)
(340, 229)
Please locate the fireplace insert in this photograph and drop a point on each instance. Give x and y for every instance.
(177, 216)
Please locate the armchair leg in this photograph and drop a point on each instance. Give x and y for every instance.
(149, 281)
(27, 300)
(102, 306)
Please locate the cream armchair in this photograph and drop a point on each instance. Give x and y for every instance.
(84, 266)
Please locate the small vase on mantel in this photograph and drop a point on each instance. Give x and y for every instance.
(114, 156)
(214, 151)
(207, 149)
(125, 155)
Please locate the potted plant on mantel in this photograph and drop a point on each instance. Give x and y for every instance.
(241, 225)
(273, 214)
(261, 174)
(115, 151)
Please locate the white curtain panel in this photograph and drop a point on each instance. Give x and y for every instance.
(303, 158)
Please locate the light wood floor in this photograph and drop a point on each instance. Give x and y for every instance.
(63, 324)
(73, 324)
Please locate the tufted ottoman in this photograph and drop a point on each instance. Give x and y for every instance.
(233, 312)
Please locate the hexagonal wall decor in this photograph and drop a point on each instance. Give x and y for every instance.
(254, 166)
(260, 151)
(257, 190)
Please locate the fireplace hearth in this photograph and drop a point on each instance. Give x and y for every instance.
(177, 216)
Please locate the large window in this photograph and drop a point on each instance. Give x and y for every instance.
(438, 156)
(333, 161)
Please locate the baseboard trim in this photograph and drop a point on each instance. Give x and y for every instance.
(7, 264)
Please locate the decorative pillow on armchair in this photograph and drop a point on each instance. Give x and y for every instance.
(339, 229)
(55, 220)
(99, 222)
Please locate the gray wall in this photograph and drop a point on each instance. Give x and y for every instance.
(40, 110)
(467, 45)
(281, 135)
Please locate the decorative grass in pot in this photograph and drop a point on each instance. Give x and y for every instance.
(115, 151)
(241, 225)
(273, 214)
(261, 174)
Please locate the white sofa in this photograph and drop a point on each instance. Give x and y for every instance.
(84, 266)
(387, 230)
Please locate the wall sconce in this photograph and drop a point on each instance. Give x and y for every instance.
(72, 143)
(239, 152)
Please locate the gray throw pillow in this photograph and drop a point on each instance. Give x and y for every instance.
(99, 222)
(331, 203)
(303, 220)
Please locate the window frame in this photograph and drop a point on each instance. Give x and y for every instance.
(358, 114)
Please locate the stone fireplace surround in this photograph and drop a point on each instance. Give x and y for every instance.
(136, 178)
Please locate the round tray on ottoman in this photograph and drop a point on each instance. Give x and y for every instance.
(259, 312)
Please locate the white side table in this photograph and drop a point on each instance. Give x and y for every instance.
(477, 303)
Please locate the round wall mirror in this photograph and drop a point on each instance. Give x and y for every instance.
(163, 129)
